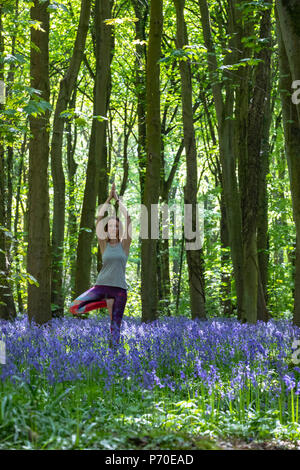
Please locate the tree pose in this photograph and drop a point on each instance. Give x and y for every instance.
(110, 289)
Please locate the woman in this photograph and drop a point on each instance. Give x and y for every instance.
(110, 288)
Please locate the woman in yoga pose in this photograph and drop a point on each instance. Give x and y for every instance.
(110, 289)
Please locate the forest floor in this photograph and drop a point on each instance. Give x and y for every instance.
(240, 444)
(159, 440)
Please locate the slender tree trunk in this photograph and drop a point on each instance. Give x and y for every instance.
(163, 273)
(242, 204)
(106, 162)
(165, 270)
(291, 122)
(163, 248)
(97, 164)
(224, 109)
(153, 164)
(163, 266)
(7, 306)
(129, 121)
(9, 244)
(180, 272)
(195, 255)
(251, 172)
(262, 212)
(141, 9)
(289, 19)
(226, 303)
(67, 84)
(38, 254)
(16, 254)
(241, 133)
(227, 306)
(176, 248)
(72, 218)
(9, 168)
(281, 220)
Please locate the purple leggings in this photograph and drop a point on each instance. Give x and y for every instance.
(95, 298)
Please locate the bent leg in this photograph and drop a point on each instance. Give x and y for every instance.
(93, 298)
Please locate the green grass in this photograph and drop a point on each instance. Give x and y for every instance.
(83, 416)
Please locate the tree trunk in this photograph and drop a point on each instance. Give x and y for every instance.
(16, 255)
(67, 84)
(96, 167)
(241, 204)
(72, 218)
(194, 254)
(227, 306)
(289, 19)
(141, 10)
(7, 306)
(153, 163)
(224, 110)
(291, 125)
(251, 171)
(38, 254)
(262, 213)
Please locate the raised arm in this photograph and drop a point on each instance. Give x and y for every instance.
(103, 209)
(126, 240)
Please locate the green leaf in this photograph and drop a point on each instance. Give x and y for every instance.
(54, 307)
(80, 121)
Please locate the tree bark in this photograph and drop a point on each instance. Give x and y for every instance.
(195, 255)
(227, 306)
(16, 255)
(72, 214)
(262, 211)
(242, 140)
(67, 84)
(153, 164)
(251, 171)
(38, 254)
(97, 161)
(141, 10)
(7, 306)
(291, 125)
(224, 110)
(289, 19)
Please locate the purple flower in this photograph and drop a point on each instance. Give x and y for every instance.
(220, 355)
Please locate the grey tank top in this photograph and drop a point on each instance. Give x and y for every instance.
(114, 261)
